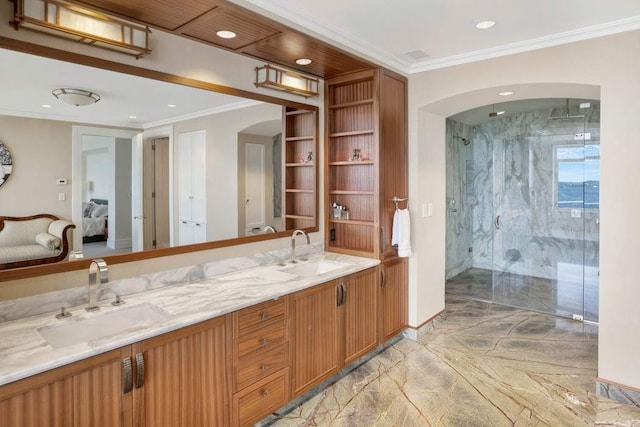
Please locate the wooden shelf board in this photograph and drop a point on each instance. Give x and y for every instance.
(297, 190)
(310, 218)
(354, 163)
(351, 133)
(352, 222)
(350, 251)
(298, 165)
(299, 138)
(355, 193)
(298, 112)
(351, 104)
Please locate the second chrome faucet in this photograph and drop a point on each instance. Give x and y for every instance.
(293, 244)
(97, 266)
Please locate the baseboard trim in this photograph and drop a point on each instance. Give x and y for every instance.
(415, 332)
(618, 392)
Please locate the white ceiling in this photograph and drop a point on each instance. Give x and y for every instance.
(27, 82)
(445, 29)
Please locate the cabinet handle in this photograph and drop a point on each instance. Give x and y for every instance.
(265, 393)
(383, 278)
(339, 295)
(139, 370)
(383, 239)
(265, 367)
(264, 341)
(127, 375)
(264, 316)
(344, 293)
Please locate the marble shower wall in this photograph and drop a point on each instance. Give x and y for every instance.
(513, 176)
(459, 233)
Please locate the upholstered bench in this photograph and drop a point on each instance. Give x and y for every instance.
(33, 240)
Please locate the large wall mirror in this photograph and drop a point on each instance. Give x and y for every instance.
(153, 168)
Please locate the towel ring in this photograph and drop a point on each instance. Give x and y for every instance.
(397, 200)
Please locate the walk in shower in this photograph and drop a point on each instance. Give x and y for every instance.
(523, 205)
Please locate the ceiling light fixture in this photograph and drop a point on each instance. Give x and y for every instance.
(61, 19)
(226, 34)
(133, 117)
(303, 61)
(276, 78)
(77, 97)
(506, 93)
(485, 25)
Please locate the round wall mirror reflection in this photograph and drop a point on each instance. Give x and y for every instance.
(6, 163)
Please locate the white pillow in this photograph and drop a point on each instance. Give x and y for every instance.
(48, 241)
(87, 207)
(99, 211)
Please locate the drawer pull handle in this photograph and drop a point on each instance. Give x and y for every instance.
(264, 341)
(265, 367)
(265, 393)
(139, 370)
(264, 316)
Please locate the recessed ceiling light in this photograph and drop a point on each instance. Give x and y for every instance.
(484, 25)
(506, 93)
(303, 61)
(133, 117)
(226, 34)
(46, 106)
(171, 105)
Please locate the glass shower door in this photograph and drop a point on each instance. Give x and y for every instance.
(539, 246)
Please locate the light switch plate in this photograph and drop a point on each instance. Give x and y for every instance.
(61, 197)
(576, 213)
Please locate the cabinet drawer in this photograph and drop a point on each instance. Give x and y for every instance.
(261, 399)
(261, 313)
(254, 367)
(271, 335)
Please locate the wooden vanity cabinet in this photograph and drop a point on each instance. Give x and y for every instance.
(259, 354)
(394, 298)
(85, 393)
(333, 325)
(176, 379)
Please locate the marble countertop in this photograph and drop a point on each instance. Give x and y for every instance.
(24, 352)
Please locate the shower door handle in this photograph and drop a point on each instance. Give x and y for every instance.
(497, 222)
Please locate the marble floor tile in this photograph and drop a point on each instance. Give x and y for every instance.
(482, 365)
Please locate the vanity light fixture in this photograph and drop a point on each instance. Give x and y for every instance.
(506, 93)
(303, 61)
(77, 97)
(485, 25)
(277, 78)
(61, 19)
(226, 34)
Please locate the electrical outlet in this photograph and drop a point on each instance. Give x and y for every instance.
(332, 235)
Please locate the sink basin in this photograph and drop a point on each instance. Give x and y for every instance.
(314, 268)
(102, 325)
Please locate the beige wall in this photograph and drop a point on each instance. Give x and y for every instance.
(611, 63)
(41, 152)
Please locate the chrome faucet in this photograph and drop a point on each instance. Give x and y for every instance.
(293, 244)
(268, 228)
(97, 266)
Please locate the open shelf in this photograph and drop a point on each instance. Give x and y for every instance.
(351, 104)
(351, 133)
(305, 217)
(299, 165)
(298, 138)
(352, 163)
(298, 112)
(352, 192)
(298, 190)
(352, 221)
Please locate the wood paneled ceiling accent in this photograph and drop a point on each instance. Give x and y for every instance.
(257, 36)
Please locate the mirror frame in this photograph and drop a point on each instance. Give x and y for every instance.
(66, 56)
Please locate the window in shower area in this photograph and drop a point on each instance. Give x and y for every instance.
(578, 176)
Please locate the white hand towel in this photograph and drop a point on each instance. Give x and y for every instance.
(404, 233)
(394, 229)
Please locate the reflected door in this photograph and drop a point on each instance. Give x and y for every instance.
(545, 244)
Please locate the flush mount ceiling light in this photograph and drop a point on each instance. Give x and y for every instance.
(226, 34)
(65, 20)
(485, 25)
(77, 97)
(506, 93)
(303, 61)
(287, 81)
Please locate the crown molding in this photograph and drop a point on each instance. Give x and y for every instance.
(594, 31)
(327, 33)
(195, 115)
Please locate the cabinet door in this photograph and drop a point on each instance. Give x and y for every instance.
(199, 232)
(183, 381)
(86, 393)
(360, 302)
(315, 336)
(394, 298)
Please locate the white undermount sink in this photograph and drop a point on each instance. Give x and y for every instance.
(314, 268)
(102, 325)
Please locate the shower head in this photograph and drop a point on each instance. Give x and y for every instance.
(567, 116)
(465, 141)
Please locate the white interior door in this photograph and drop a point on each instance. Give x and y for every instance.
(137, 234)
(254, 186)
